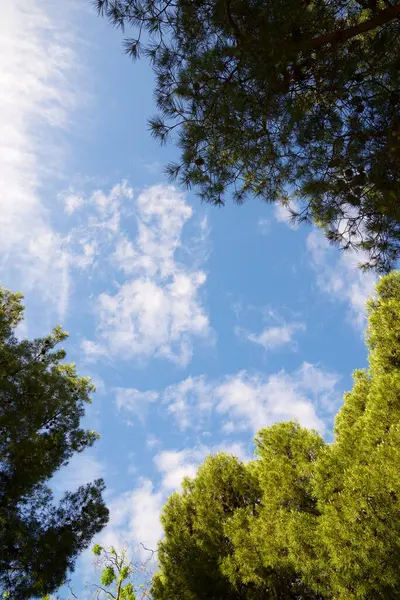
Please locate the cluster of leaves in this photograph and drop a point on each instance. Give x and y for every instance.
(120, 575)
(279, 99)
(42, 401)
(305, 519)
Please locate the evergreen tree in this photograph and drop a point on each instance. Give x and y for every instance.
(202, 526)
(357, 479)
(194, 544)
(42, 401)
(279, 99)
(264, 539)
(305, 519)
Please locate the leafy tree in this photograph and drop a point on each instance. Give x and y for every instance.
(195, 557)
(276, 100)
(357, 479)
(264, 539)
(42, 403)
(120, 575)
(305, 519)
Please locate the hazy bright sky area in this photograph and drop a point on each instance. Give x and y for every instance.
(198, 325)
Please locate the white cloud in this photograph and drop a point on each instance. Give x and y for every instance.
(273, 337)
(235, 448)
(183, 399)
(134, 401)
(248, 402)
(73, 202)
(134, 518)
(174, 465)
(37, 69)
(157, 310)
(146, 514)
(339, 276)
(152, 442)
(87, 258)
(255, 401)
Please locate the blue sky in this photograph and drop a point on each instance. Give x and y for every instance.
(198, 325)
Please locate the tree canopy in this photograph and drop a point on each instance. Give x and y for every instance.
(198, 558)
(304, 519)
(42, 401)
(279, 100)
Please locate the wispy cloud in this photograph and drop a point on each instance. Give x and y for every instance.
(274, 337)
(338, 276)
(175, 465)
(157, 310)
(187, 396)
(271, 338)
(337, 273)
(255, 401)
(37, 69)
(134, 518)
(133, 401)
(249, 401)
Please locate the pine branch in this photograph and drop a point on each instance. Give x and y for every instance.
(337, 37)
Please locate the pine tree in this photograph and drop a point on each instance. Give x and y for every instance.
(357, 478)
(280, 100)
(204, 526)
(42, 401)
(264, 540)
(305, 519)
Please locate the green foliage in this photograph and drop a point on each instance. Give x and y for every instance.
(271, 99)
(121, 576)
(196, 556)
(286, 461)
(42, 403)
(107, 576)
(305, 519)
(357, 478)
(97, 550)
